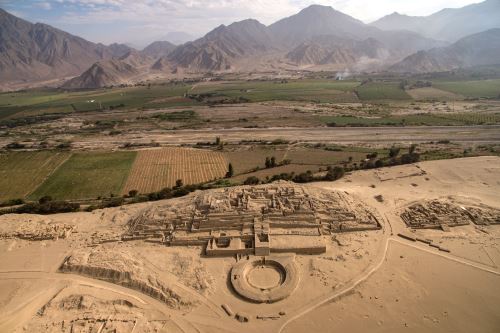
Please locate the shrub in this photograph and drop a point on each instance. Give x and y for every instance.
(268, 162)
(180, 192)
(15, 145)
(230, 171)
(45, 199)
(12, 202)
(112, 202)
(282, 176)
(304, 177)
(252, 180)
(64, 145)
(394, 151)
(335, 173)
(50, 207)
(410, 158)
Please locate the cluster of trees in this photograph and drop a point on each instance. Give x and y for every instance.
(218, 142)
(15, 145)
(12, 202)
(44, 206)
(271, 162)
(176, 116)
(332, 173)
(30, 120)
(216, 98)
(395, 158)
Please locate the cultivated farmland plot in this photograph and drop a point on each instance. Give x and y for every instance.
(156, 169)
(22, 172)
(87, 176)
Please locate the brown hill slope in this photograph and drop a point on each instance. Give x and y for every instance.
(323, 50)
(136, 59)
(318, 20)
(217, 49)
(475, 50)
(162, 64)
(119, 50)
(447, 24)
(103, 74)
(40, 52)
(158, 49)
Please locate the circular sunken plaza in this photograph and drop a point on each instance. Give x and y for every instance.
(265, 280)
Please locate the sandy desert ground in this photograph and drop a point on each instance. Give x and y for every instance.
(76, 273)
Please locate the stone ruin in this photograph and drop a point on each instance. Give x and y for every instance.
(38, 231)
(443, 214)
(277, 218)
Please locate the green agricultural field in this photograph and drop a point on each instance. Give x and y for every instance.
(475, 89)
(420, 119)
(302, 90)
(373, 91)
(22, 172)
(88, 175)
(26, 103)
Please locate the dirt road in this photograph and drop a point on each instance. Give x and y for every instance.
(382, 135)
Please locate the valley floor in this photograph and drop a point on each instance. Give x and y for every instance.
(370, 279)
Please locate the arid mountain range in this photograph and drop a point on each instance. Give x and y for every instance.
(479, 49)
(318, 37)
(447, 24)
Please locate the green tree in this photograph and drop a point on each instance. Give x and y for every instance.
(268, 162)
(410, 158)
(334, 173)
(218, 141)
(179, 183)
(304, 177)
(44, 199)
(394, 151)
(230, 171)
(252, 180)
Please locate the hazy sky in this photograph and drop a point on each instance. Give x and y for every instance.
(141, 21)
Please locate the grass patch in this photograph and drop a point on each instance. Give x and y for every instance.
(474, 89)
(420, 119)
(22, 172)
(301, 90)
(24, 103)
(177, 116)
(88, 175)
(381, 91)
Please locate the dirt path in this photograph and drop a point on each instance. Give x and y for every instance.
(344, 135)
